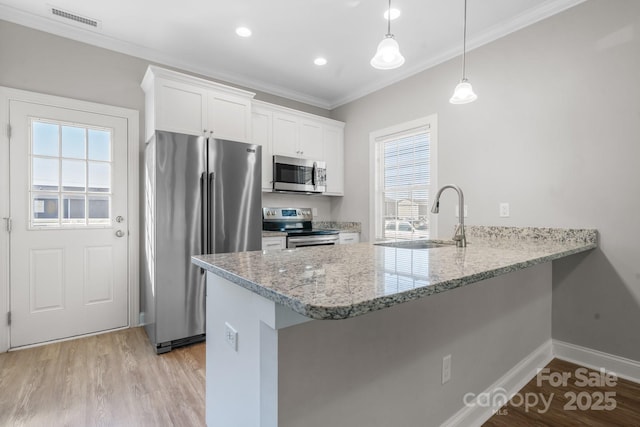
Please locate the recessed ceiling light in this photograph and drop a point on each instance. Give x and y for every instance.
(320, 61)
(394, 13)
(243, 32)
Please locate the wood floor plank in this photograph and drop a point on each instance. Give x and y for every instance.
(113, 379)
(564, 409)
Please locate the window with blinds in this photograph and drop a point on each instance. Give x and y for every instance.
(404, 174)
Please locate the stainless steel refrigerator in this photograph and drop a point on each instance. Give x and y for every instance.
(201, 196)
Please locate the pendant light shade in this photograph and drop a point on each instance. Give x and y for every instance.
(388, 55)
(463, 93)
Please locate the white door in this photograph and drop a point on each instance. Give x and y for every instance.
(68, 202)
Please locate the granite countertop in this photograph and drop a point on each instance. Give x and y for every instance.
(342, 281)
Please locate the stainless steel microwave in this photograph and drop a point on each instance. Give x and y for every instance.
(302, 175)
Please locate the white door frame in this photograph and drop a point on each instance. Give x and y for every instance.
(133, 154)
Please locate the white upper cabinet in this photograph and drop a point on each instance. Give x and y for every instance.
(297, 134)
(181, 103)
(286, 135)
(333, 138)
(311, 144)
(229, 117)
(262, 123)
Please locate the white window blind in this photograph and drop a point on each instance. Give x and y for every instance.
(405, 180)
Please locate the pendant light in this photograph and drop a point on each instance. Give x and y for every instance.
(463, 93)
(388, 55)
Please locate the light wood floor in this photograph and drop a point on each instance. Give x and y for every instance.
(625, 414)
(114, 379)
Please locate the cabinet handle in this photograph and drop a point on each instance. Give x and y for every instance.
(204, 131)
(302, 152)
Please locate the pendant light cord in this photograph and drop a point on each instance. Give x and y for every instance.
(464, 40)
(389, 19)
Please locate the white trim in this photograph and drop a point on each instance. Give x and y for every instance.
(429, 122)
(96, 38)
(76, 337)
(594, 359)
(509, 384)
(133, 141)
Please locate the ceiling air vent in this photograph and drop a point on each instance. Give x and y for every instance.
(74, 17)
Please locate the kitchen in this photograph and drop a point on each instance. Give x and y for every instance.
(556, 94)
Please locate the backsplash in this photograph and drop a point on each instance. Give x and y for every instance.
(338, 225)
(532, 233)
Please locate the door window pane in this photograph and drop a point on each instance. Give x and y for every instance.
(73, 142)
(44, 208)
(99, 209)
(73, 208)
(73, 175)
(45, 174)
(99, 145)
(45, 139)
(99, 177)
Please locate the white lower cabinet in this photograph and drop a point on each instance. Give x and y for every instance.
(347, 238)
(274, 243)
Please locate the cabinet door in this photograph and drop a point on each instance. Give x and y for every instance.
(229, 117)
(273, 243)
(261, 134)
(311, 146)
(334, 156)
(180, 107)
(348, 238)
(285, 135)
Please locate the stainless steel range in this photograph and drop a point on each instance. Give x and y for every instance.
(297, 223)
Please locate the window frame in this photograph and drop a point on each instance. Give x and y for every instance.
(376, 211)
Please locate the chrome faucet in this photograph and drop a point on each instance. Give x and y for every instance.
(458, 236)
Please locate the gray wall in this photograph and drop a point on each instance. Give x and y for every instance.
(40, 62)
(555, 132)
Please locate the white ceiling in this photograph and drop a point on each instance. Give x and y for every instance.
(199, 36)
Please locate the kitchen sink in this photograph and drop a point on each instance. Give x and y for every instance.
(416, 244)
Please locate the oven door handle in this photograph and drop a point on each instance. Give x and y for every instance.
(315, 239)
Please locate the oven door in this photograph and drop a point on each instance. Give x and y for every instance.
(304, 241)
(292, 174)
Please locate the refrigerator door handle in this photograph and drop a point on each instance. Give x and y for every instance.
(203, 216)
(210, 213)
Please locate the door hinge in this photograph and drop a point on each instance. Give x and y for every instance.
(9, 318)
(9, 223)
(9, 130)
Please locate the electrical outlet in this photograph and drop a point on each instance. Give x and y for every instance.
(314, 212)
(446, 368)
(504, 210)
(466, 210)
(231, 336)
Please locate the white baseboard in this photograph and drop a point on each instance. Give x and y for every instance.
(508, 385)
(594, 359)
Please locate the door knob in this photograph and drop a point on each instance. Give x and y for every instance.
(119, 218)
(119, 233)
